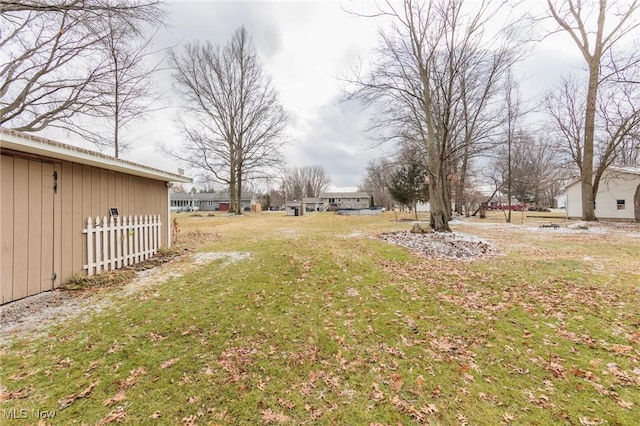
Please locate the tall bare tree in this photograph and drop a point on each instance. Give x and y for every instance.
(531, 170)
(616, 125)
(233, 124)
(513, 114)
(417, 83)
(598, 30)
(129, 91)
(305, 181)
(52, 66)
(376, 181)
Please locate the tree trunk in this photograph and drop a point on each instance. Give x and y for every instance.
(439, 212)
(460, 198)
(238, 209)
(586, 174)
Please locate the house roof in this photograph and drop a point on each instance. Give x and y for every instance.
(311, 200)
(36, 145)
(631, 170)
(359, 194)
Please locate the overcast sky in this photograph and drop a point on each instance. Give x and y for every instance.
(304, 46)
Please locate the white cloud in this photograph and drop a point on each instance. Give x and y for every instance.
(305, 46)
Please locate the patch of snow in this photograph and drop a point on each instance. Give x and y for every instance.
(35, 314)
(230, 257)
(443, 245)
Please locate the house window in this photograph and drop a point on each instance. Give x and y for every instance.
(620, 204)
(357, 200)
(332, 200)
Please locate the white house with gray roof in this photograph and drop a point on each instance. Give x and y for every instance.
(618, 195)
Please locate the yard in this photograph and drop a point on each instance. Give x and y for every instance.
(314, 320)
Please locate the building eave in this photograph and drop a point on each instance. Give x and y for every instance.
(36, 145)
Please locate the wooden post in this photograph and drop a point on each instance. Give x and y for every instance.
(89, 231)
(98, 257)
(130, 234)
(105, 244)
(136, 240)
(112, 246)
(119, 242)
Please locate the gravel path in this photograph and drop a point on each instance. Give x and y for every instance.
(440, 245)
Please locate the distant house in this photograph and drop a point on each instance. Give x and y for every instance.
(618, 195)
(346, 200)
(313, 204)
(209, 201)
(48, 193)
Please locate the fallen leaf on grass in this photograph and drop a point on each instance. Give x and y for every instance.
(625, 404)
(66, 402)
(286, 404)
(270, 416)
(120, 396)
(586, 421)
(396, 382)
(19, 394)
(168, 363)
(133, 377)
(507, 418)
(156, 415)
(116, 416)
(462, 419)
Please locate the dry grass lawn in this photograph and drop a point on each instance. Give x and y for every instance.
(312, 320)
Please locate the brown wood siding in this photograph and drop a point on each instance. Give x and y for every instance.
(47, 232)
(6, 229)
(41, 230)
(20, 227)
(56, 227)
(93, 191)
(27, 229)
(34, 229)
(65, 222)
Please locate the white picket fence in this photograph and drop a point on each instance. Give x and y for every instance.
(121, 241)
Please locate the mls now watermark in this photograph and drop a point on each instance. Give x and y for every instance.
(16, 414)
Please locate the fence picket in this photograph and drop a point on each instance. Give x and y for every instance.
(118, 242)
(89, 232)
(121, 241)
(98, 258)
(112, 244)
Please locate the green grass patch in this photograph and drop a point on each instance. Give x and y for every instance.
(322, 324)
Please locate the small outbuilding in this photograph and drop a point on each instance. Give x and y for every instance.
(295, 208)
(66, 210)
(618, 196)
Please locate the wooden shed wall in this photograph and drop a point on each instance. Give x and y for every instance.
(43, 229)
(85, 191)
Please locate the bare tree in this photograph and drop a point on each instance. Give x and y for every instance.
(233, 124)
(531, 171)
(376, 181)
(616, 125)
(597, 39)
(306, 181)
(513, 109)
(417, 84)
(129, 91)
(51, 62)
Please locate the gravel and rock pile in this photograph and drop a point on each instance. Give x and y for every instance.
(442, 245)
